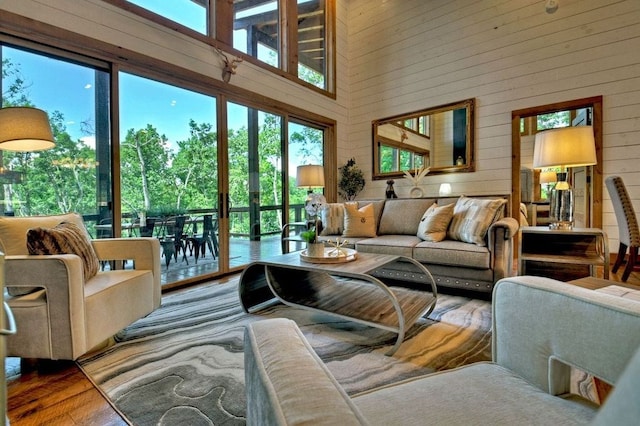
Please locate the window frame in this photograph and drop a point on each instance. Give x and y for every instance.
(18, 30)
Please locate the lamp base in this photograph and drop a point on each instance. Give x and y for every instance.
(561, 226)
(561, 208)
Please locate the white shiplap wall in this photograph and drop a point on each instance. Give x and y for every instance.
(405, 55)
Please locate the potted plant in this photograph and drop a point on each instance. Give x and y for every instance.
(351, 180)
(314, 248)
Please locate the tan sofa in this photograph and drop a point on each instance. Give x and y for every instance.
(541, 327)
(61, 316)
(453, 263)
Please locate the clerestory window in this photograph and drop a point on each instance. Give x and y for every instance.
(291, 36)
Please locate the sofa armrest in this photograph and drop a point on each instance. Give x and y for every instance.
(144, 251)
(509, 226)
(61, 275)
(500, 245)
(286, 383)
(542, 326)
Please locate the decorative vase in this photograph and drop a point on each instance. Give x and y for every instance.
(315, 249)
(416, 192)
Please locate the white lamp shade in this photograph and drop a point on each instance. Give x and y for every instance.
(548, 176)
(25, 129)
(565, 147)
(310, 176)
(445, 189)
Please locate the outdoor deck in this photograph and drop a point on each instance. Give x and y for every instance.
(242, 252)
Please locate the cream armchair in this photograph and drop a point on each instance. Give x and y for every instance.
(541, 328)
(61, 316)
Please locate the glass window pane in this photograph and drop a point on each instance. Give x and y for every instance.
(388, 159)
(305, 147)
(190, 13)
(256, 29)
(553, 120)
(312, 41)
(75, 175)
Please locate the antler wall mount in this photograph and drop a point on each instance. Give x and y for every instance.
(229, 65)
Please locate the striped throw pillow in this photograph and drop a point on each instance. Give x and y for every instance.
(332, 217)
(472, 218)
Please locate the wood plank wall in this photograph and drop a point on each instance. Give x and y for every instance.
(405, 55)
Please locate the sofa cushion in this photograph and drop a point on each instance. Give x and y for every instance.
(435, 222)
(64, 238)
(13, 230)
(472, 218)
(482, 394)
(400, 245)
(332, 217)
(359, 222)
(401, 217)
(456, 253)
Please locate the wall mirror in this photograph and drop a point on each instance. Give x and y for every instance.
(528, 185)
(441, 138)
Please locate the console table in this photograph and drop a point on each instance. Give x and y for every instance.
(355, 290)
(563, 254)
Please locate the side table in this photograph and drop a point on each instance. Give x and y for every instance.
(563, 254)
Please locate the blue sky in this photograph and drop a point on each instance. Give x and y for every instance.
(69, 88)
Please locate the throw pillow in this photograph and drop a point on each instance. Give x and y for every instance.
(332, 217)
(435, 222)
(472, 218)
(64, 238)
(359, 222)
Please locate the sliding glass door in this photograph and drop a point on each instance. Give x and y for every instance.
(255, 145)
(229, 193)
(169, 173)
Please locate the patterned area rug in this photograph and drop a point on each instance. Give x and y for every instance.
(183, 364)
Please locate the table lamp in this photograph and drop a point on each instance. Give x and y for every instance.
(311, 176)
(445, 189)
(564, 147)
(25, 129)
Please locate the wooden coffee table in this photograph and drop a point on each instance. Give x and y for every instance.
(361, 290)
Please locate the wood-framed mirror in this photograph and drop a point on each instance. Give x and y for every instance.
(441, 138)
(524, 124)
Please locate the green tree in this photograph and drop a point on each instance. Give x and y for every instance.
(144, 163)
(195, 168)
(61, 179)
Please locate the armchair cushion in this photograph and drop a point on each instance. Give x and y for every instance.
(64, 238)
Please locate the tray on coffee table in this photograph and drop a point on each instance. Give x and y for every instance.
(331, 255)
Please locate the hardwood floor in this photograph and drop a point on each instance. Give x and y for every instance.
(59, 393)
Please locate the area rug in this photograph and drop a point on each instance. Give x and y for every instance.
(183, 364)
